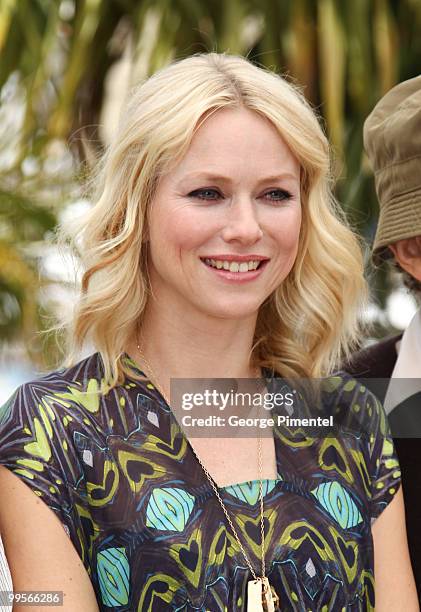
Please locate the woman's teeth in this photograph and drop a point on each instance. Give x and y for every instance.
(232, 266)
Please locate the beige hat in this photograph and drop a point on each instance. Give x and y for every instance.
(392, 140)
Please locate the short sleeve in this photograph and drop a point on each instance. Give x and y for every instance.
(385, 471)
(32, 448)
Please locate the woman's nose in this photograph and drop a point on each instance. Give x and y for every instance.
(242, 222)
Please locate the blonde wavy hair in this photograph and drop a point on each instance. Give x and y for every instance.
(312, 319)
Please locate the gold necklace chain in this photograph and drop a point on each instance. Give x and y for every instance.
(214, 486)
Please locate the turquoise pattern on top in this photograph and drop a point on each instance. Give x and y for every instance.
(249, 491)
(338, 503)
(114, 576)
(169, 508)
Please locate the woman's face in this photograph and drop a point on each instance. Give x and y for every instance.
(231, 204)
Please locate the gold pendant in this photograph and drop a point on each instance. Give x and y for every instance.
(270, 599)
(254, 596)
(261, 596)
(275, 599)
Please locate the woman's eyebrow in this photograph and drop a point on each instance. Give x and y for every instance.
(210, 176)
(282, 176)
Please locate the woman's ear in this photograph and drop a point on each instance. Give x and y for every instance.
(407, 253)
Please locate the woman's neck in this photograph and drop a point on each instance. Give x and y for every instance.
(177, 345)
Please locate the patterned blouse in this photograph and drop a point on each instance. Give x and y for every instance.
(121, 476)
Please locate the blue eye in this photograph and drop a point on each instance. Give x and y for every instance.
(210, 194)
(278, 195)
(205, 194)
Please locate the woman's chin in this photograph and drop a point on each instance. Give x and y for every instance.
(232, 310)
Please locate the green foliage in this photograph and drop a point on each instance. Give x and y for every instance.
(344, 54)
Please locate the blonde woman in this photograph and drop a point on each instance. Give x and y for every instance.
(214, 249)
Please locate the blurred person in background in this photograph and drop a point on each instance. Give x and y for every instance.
(392, 140)
(214, 249)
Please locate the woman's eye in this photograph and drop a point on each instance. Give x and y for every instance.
(278, 195)
(205, 194)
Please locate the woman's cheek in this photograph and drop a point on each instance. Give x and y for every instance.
(289, 233)
(190, 231)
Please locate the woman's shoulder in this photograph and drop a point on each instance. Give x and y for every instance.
(47, 419)
(363, 419)
(43, 427)
(351, 396)
(79, 374)
(57, 389)
(350, 402)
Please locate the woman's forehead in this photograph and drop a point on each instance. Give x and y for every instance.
(232, 139)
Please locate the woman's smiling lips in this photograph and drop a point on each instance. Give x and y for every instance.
(236, 268)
